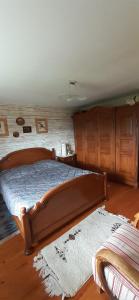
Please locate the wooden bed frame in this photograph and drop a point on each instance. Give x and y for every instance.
(59, 205)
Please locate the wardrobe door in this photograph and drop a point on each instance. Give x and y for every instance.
(79, 132)
(91, 140)
(106, 139)
(126, 145)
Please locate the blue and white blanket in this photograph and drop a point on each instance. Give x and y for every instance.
(24, 186)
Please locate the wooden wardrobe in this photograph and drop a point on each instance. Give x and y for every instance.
(107, 139)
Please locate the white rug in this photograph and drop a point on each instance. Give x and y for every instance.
(66, 264)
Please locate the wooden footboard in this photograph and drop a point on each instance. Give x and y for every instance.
(60, 205)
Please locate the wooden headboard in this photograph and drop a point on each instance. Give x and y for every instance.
(25, 157)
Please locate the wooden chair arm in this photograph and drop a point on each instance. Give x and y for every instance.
(136, 220)
(105, 257)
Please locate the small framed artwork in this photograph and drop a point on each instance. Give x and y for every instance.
(27, 129)
(41, 125)
(3, 127)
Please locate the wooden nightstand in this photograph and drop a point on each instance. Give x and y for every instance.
(69, 160)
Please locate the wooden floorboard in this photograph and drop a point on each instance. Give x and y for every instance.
(18, 279)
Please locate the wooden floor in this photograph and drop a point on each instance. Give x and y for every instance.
(18, 280)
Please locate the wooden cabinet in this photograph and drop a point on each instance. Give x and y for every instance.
(127, 145)
(91, 139)
(95, 138)
(107, 139)
(79, 132)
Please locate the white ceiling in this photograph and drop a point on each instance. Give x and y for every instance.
(46, 43)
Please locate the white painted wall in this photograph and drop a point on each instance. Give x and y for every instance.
(46, 43)
(60, 128)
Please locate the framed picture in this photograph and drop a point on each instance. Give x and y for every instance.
(3, 127)
(41, 125)
(27, 129)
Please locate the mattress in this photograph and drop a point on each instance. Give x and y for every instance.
(23, 186)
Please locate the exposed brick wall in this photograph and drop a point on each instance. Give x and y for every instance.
(60, 128)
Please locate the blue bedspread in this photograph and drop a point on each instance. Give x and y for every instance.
(24, 186)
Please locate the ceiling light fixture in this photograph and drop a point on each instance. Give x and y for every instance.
(73, 92)
(131, 101)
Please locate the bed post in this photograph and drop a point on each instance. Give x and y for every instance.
(53, 154)
(105, 186)
(26, 231)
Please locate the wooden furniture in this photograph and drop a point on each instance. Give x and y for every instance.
(59, 205)
(94, 138)
(124, 262)
(127, 145)
(107, 139)
(79, 134)
(69, 160)
(16, 268)
(135, 222)
(25, 157)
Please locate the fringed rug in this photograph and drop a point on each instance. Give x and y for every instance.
(7, 225)
(66, 264)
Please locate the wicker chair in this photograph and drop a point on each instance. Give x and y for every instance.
(116, 265)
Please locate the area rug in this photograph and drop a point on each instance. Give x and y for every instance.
(66, 264)
(7, 225)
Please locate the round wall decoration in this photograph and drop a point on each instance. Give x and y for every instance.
(16, 134)
(20, 121)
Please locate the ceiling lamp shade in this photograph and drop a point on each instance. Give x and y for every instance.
(74, 95)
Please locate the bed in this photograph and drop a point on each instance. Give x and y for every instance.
(43, 194)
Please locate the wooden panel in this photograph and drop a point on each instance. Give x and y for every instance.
(106, 139)
(79, 133)
(66, 201)
(95, 138)
(91, 139)
(126, 145)
(137, 113)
